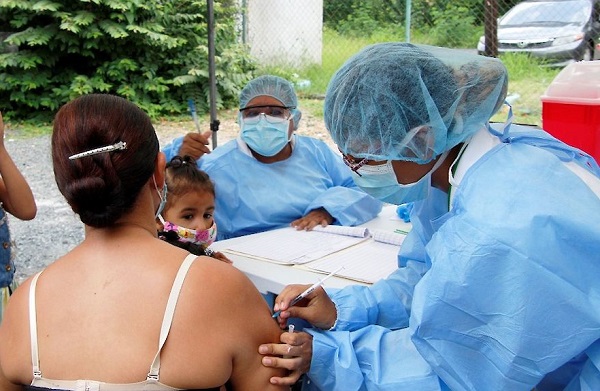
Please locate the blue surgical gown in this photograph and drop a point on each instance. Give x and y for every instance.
(502, 292)
(253, 197)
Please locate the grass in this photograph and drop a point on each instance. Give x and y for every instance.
(528, 79)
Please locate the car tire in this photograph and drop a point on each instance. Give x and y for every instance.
(588, 53)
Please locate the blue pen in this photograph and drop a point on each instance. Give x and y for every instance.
(192, 107)
(310, 290)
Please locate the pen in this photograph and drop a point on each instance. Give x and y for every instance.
(310, 290)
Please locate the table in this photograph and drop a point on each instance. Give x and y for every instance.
(271, 278)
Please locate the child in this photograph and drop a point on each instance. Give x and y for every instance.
(17, 199)
(187, 220)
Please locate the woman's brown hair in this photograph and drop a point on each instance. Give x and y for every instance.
(102, 188)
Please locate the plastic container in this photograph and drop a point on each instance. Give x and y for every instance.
(571, 107)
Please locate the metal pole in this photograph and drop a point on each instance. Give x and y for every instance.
(214, 122)
(490, 18)
(407, 19)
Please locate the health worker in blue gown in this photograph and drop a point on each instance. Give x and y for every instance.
(270, 177)
(498, 285)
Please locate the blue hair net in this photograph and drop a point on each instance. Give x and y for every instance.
(399, 101)
(275, 87)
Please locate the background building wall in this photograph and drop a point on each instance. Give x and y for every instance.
(285, 32)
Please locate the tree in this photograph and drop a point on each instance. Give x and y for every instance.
(152, 52)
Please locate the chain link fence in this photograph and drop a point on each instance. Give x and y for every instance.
(308, 40)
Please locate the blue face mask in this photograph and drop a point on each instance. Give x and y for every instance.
(264, 137)
(380, 182)
(163, 197)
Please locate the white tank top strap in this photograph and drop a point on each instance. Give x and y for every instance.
(35, 359)
(169, 313)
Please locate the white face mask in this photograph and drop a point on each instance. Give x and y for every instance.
(380, 182)
(163, 197)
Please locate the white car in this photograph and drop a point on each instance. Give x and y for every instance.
(561, 31)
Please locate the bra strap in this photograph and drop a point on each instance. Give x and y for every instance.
(35, 359)
(169, 313)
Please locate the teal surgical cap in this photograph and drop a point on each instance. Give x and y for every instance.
(275, 87)
(399, 101)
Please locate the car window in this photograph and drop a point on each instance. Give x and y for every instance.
(560, 12)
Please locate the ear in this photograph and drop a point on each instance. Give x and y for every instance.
(296, 118)
(425, 139)
(160, 169)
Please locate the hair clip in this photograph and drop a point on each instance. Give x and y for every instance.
(109, 148)
(178, 161)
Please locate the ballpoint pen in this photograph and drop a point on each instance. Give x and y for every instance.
(310, 290)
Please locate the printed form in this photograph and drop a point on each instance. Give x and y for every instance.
(366, 256)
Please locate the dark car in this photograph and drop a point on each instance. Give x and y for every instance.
(561, 31)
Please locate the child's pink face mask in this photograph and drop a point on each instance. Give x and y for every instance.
(202, 237)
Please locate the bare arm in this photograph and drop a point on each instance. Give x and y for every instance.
(15, 193)
(13, 331)
(295, 350)
(5, 385)
(256, 327)
(293, 353)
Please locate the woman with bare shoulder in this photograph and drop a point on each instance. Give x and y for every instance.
(124, 310)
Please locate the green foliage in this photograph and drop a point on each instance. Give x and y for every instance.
(426, 13)
(359, 22)
(153, 52)
(438, 22)
(358, 18)
(454, 26)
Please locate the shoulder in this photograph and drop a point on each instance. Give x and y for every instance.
(226, 292)
(220, 155)
(223, 279)
(311, 145)
(308, 140)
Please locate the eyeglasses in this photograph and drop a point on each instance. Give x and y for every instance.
(354, 166)
(272, 114)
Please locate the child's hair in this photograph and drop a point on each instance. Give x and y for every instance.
(183, 176)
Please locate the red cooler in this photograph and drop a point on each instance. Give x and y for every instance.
(571, 107)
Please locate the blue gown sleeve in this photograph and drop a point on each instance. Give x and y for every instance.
(588, 378)
(510, 300)
(347, 361)
(386, 303)
(512, 293)
(344, 201)
(172, 149)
